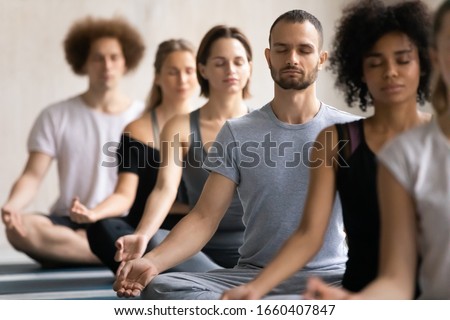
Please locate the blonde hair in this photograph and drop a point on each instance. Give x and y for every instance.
(439, 97)
(165, 48)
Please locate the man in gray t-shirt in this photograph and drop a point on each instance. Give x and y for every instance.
(268, 161)
(265, 155)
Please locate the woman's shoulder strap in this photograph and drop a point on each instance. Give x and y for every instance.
(155, 126)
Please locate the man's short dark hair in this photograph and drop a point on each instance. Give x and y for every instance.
(299, 16)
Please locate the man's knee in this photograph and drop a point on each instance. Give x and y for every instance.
(27, 237)
(16, 240)
(179, 286)
(19, 238)
(170, 286)
(158, 288)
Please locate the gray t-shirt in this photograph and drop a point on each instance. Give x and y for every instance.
(268, 161)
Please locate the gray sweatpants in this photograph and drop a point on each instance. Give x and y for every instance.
(210, 285)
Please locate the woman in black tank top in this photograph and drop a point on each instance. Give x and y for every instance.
(384, 67)
(138, 155)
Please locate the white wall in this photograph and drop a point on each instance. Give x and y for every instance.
(33, 72)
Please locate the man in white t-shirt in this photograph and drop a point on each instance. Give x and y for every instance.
(79, 133)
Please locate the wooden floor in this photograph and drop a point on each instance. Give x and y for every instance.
(21, 278)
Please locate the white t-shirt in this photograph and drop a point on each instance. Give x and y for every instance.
(83, 141)
(420, 161)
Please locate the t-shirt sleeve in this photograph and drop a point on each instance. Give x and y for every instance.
(43, 135)
(395, 158)
(222, 156)
(128, 154)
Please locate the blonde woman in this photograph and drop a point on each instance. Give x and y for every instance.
(138, 156)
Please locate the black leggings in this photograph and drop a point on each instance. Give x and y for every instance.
(103, 235)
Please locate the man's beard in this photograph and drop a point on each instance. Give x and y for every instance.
(295, 83)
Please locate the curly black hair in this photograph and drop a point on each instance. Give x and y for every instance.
(86, 30)
(361, 25)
